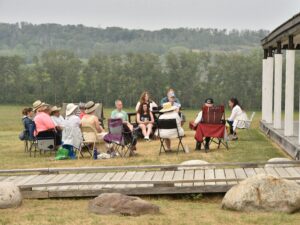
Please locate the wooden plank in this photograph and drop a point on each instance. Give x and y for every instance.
(147, 176)
(293, 173)
(271, 171)
(229, 174)
(76, 178)
(65, 179)
(188, 175)
(116, 177)
(199, 175)
(178, 175)
(220, 174)
(137, 177)
(209, 174)
(87, 178)
(127, 177)
(25, 180)
(240, 173)
(44, 180)
(98, 178)
(55, 180)
(107, 177)
(282, 172)
(260, 171)
(9, 179)
(250, 172)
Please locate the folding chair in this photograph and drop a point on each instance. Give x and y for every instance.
(168, 124)
(120, 137)
(90, 137)
(213, 119)
(44, 141)
(245, 124)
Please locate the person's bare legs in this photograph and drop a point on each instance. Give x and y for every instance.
(143, 128)
(149, 129)
(168, 144)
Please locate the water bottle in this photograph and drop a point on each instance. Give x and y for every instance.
(95, 153)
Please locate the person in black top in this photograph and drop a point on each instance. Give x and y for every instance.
(145, 120)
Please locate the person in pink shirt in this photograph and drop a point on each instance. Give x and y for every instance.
(43, 121)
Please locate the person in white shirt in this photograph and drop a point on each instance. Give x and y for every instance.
(237, 113)
(57, 119)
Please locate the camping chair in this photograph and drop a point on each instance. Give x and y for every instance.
(212, 125)
(122, 139)
(168, 124)
(44, 141)
(90, 137)
(245, 124)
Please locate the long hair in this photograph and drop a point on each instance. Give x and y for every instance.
(235, 102)
(141, 110)
(142, 98)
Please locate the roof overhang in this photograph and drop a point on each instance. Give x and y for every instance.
(281, 34)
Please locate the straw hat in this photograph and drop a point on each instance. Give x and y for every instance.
(55, 108)
(70, 109)
(90, 107)
(167, 107)
(38, 104)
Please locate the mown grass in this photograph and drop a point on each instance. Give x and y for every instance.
(180, 209)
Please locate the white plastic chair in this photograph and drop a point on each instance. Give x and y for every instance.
(245, 124)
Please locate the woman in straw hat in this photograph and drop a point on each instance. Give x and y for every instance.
(71, 135)
(169, 112)
(57, 119)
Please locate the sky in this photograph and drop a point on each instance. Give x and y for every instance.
(153, 14)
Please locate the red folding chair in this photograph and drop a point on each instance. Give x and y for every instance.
(212, 125)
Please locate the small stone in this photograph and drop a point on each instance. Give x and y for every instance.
(195, 161)
(279, 160)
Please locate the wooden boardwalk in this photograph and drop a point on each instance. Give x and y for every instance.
(139, 180)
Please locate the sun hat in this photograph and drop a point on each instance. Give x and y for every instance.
(209, 101)
(55, 108)
(90, 107)
(70, 109)
(167, 107)
(38, 104)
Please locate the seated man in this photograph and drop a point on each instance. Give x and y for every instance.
(209, 102)
(43, 121)
(120, 113)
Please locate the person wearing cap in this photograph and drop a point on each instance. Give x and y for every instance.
(43, 121)
(209, 102)
(71, 135)
(170, 94)
(90, 119)
(169, 112)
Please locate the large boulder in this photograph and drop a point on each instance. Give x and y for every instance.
(279, 160)
(263, 193)
(195, 161)
(10, 195)
(116, 203)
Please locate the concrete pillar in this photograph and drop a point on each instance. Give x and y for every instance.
(289, 93)
(269, 90)
(263, 106)
(277, 90)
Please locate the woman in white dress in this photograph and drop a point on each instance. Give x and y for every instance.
(237, 114)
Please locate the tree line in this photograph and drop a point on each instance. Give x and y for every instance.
(30, 40)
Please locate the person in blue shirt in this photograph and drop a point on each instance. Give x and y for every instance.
(28, 123)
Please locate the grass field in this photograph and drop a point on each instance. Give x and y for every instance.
(187, 209)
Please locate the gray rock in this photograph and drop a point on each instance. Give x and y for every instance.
(10, 195)
(263, 193)
(279, 160)
(116, 203)
(195, 161)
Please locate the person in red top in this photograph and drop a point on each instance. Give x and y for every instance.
(43, 121)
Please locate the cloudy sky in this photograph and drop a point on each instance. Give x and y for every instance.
(152, 14)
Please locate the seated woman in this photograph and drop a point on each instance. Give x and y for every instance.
(71, 135)
(43, 122)
(237, 113)
(28, 123)
(57, 119)
(145, 120)
(145, 98)
(169, 112)
(90, 119)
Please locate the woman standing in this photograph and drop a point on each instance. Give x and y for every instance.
(145, 120)
(145, 98)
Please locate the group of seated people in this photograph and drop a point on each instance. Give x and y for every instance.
(42, 118)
